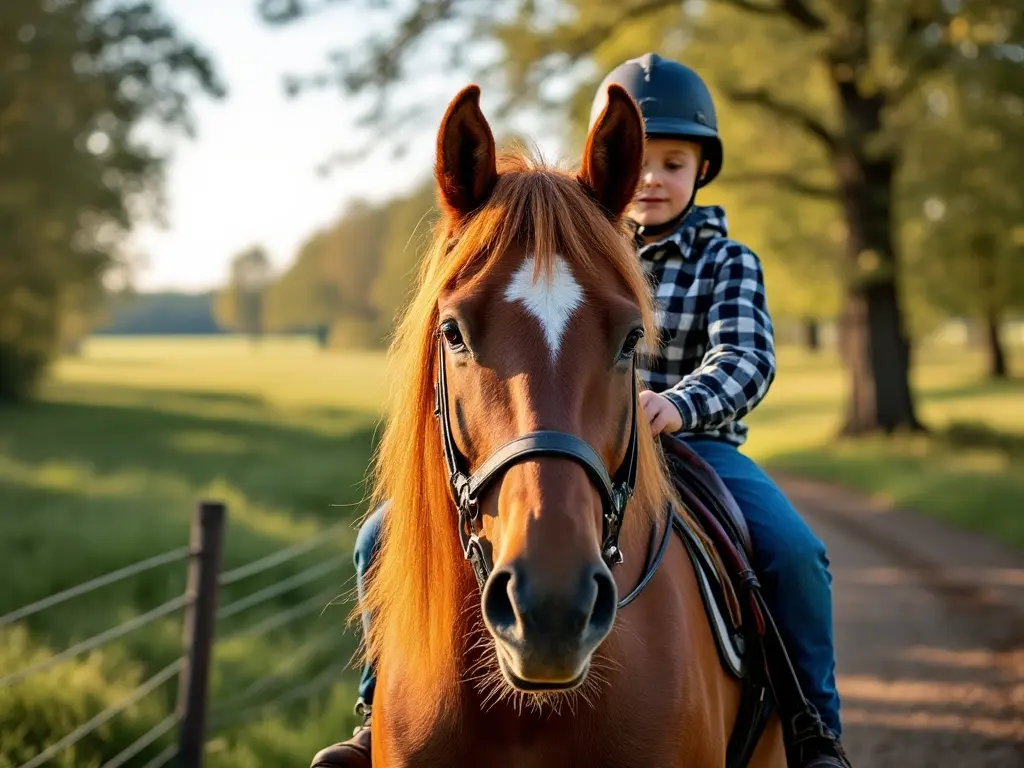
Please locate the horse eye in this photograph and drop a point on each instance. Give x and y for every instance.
(632, 340)
(452, 335)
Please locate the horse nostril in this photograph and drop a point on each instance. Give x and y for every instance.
(603, 614)
(497, 603)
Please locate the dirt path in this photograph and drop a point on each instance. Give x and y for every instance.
(929, 635)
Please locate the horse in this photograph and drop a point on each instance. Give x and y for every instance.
(514, 441)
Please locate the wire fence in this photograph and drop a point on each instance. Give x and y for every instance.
(181, 735)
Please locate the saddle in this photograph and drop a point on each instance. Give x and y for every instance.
(701, 486)
(720, 550)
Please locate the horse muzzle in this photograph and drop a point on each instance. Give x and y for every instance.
(545, 634)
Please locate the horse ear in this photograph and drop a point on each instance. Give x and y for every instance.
(466, 165)
(613, 157)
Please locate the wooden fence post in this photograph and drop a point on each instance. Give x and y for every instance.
(206, 542)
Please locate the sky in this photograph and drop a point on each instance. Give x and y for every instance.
(249, 176)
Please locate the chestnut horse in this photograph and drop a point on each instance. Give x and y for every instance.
(518, 400)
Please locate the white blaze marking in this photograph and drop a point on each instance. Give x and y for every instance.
(552, 301)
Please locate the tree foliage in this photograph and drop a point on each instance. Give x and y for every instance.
(348, 280)
(964, 203)
(82, 85)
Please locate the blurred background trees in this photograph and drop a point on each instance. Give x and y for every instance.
(841, 122)
(78, 82)
(871, 161)
(241, 304)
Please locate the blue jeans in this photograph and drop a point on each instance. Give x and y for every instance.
(789, 559)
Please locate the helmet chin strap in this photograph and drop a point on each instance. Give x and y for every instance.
(657, 230)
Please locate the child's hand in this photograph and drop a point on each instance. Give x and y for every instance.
(662, 415)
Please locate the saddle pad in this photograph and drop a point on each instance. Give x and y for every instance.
(728, 639)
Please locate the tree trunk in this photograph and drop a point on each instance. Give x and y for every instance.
(997, 368)
(876, 347)
(878, 357)
(986, 256)
(322, 332)
(812, 334)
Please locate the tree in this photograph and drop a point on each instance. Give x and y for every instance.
(302, 298)
(240, 305)
(327, 288)
(846, 76)
(78, 82)
(357, 243)
(348, 280)
(408, 231)
(966, 255)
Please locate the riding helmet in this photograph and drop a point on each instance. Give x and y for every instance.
(674, 102)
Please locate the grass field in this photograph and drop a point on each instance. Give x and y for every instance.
(106, 469)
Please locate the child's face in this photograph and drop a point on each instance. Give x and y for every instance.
(666, 184)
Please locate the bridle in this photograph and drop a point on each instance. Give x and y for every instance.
(467, 488)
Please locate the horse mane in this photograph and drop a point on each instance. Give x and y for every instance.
(417, 591)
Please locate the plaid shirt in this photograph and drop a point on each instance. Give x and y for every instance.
(716, 359)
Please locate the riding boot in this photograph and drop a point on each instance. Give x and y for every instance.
(813, 745)
(354, 753)
(809, 742)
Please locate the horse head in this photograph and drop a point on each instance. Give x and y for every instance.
(519, 405)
